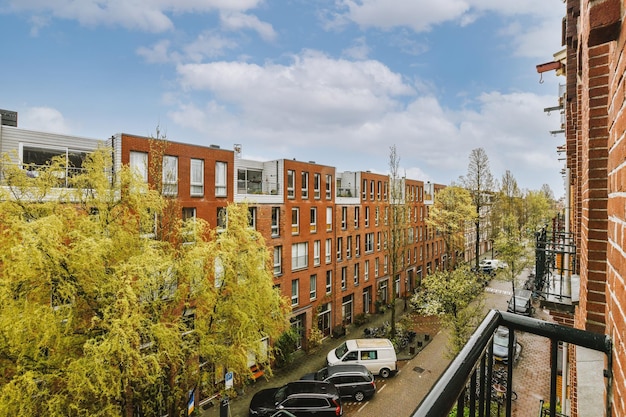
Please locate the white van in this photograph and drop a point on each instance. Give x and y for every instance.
(377, 355)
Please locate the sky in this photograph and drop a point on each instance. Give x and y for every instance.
(338, 82)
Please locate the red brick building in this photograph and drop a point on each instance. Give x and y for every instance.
(594, 37)
(328, 231)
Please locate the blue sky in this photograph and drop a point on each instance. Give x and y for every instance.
(332, 81)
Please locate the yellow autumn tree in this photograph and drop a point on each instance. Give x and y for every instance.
(99, 318)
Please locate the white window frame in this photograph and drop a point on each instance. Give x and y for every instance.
(139, 164)
(317, 249)
(196, 177)
(317, 179)
(329, 185)
(329, 282)
(305, 184)
(366, 270)
(313, 287)
(299, 255)
(295, 220)
(329, 219)
(329, 250)
(275, 226)
(291, 179)
(295, 284)
(278, 263)
(221, 184)
(313, 225)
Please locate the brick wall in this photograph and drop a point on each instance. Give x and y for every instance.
(596, 145)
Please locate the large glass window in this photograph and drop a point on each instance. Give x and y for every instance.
(278, 256)
(294, 292)
(275, 221)
(249, 181)
(295, 221)
(305, 184)
(197, 178)
(299, 255)
(317, 248)
(316, 185)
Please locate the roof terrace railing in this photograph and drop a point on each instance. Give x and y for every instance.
(467, 381)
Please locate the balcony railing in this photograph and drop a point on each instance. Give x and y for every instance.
(467, 382)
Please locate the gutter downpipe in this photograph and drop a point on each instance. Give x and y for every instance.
(565, 404)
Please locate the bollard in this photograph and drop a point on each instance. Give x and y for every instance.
(225, 407)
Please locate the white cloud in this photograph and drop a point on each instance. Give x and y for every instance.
(342, 113)
(144, 15)
(45, 119)
(314, 87)
(420, 15)
(235, 21)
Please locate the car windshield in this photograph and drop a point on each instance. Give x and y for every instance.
(341, 350)
(520, 302)
(280, 395)
(501, 338)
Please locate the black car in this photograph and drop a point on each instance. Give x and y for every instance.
(301, 398)
(351, 380)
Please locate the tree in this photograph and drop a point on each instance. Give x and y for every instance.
(397, 226)
(449, 213)
(455, 296)
(98, 317)
(479, 182)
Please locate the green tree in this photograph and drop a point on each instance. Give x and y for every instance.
(479, 182)
(450, 212)
(99, 318)
(397, 226)
(455, 296)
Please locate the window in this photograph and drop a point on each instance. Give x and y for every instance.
(299, 255)
(249, 181)
(220, 179)
(317, 249)
(313, 287)
(372, 190)
(369, 242)
(329, 185)
(188, 321)
(376, 215)
(367, 216)
(188, 215)
(378, 239)
(291, 175)
(138, 164)
(305, 184)
(378, 190)
(339, 248)
(357, 246)
(385, 240)
(349, 247)
(295, 221)
(344, 218)
(329, 282)
(385, 264)
(329, 245)
(357, 214)
(196, 180)
(278, 255)
(356, 274)
(368, 355)
(386, 215)
(313, 225)
(376, 267)
(316, 185)
(366, 270)
(329, 219)
(275, 221)
(294, 292)
(222, 218)
(344, 277)
(364, 190)
(252, 217)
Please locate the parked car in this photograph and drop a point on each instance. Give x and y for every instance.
(492, 263)
(501, 345)
(300, 398)
(377, 355)
(351, 380)
(521, 303)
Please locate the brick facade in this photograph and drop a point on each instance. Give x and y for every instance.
(595, 39)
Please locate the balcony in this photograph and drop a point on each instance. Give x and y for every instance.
(467, 382)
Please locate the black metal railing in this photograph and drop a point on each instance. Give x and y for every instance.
(467, 381)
